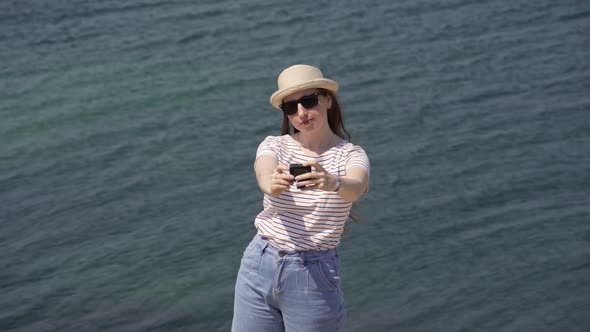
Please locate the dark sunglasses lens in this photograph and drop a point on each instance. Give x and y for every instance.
(309, 101)
(290, 108)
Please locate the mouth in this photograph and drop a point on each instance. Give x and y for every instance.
(306, 122)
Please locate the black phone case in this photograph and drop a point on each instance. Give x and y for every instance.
(298, 169)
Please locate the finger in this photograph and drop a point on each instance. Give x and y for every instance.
(285, 176)
(310, 162)
(306, 176)
(282, 181)
(310, 186)
(302, 177)
(282, 167)
(313, 162)
(305, 183)
(282, 184)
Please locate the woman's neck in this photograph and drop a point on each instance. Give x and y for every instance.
(317, 142)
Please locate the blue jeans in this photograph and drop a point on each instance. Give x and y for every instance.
(279, 290)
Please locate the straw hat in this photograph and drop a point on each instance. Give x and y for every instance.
(297, 78)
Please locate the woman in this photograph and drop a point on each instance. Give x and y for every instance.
(289, 278)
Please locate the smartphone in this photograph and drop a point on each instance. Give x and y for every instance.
(298, 169)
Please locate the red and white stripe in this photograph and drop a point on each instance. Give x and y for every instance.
(311, 219)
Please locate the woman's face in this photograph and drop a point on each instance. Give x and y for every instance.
(312, 118)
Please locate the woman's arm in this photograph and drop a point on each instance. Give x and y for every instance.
(273, 178)
(353, 185)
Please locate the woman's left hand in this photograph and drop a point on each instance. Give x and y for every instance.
(318, 179)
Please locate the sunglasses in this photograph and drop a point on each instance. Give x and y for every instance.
(307, 101)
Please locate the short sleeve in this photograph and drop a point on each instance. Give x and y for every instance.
(357, 157)
(268, 147)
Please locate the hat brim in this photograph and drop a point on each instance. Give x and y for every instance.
(276, 99)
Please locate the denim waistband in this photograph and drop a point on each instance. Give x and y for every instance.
(305, 255)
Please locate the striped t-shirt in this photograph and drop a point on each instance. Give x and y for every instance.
(307, 219)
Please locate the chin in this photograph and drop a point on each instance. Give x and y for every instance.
(306, 129)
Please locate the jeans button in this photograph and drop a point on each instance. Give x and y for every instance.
(282, 253)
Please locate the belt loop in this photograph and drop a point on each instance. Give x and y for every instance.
(304, 256)
(264, 246)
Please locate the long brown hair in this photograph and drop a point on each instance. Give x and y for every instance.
(335, 119)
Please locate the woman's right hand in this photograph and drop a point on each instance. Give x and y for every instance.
(280, 180)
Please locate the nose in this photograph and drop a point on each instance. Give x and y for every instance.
(301, 110)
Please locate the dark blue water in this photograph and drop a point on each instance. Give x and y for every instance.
(128, 132)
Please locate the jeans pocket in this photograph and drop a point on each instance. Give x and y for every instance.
(249, 249)
(250, 263)
(328, 271)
